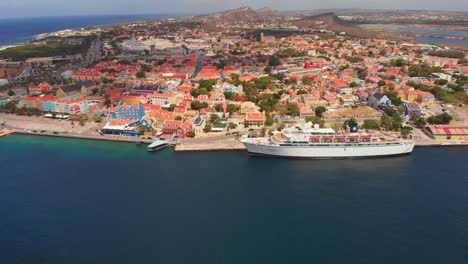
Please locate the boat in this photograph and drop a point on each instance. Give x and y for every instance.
(157, 145)
(307, 141)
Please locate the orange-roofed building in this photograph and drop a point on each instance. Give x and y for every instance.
(255, 118)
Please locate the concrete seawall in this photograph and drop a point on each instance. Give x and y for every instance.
(89, 137)
(220, 143)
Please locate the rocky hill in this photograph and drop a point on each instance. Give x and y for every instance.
(246, 13)
(329, 21)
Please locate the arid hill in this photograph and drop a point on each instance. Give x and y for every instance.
(245, 13)
(330, 22)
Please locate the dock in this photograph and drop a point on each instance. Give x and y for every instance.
(158, 145)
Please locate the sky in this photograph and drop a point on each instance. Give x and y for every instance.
(18, 8)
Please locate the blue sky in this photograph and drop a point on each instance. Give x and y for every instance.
(12, 8)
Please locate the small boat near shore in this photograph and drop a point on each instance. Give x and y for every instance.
(158, 145)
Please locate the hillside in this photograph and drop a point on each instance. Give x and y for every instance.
(330, 22)
(246, 14)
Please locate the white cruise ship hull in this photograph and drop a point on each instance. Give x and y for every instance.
(329, 151)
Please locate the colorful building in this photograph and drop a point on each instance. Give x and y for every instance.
(445, 132)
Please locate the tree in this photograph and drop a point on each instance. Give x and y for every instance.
(269, 120)
(371, 124)
(350, 123)
(405, 131)
(319, 110)
(214, 117)
(463, 61)
(274, 61)
(441, 82)
(146, 67)
(11, 93)
(292, 110)
(172, 107)
(418, 121)
(190, 134)
(315, 120)
(353, 84)
(178, 118)
(393, 96)
(381, 83)
(82, 119)
(267, 69)
(95, 90)
(207, 128)
(232, 126)
(219, 108)
(443, 118)
(197, 105)
(140, 74)
(141, 129)
(306, 81)
(97, 119)
(231, 108)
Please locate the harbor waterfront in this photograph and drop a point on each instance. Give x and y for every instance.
(81, 201)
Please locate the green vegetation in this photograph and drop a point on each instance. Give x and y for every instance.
(190, 134)
(140, 74)
(274, 61)
(418, 121)
(141, 129)
(457, 95)
(371, 124)
(396, 101)
(232, 126)
(197, 105)
(443, 118)
(231, 108)
(319, 110)
(267, 102)
(290, 53)
(422, 70)
(45, 50)
(447, 54)
(290, 110)
(146, 67)
(441, 82)
(354, 59)
(97, 119)
(315, 120)
(208, 128)
(352, 122)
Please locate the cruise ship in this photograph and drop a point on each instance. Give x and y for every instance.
(308, 141)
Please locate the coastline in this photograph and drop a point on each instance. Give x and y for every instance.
(136, 18)
(214, 144)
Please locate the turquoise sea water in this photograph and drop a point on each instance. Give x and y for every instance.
(18, 30)
(78, 201)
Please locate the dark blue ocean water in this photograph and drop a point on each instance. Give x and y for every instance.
(76, 201)
(18, 30)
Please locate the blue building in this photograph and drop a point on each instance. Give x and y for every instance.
(412, 109)
(130, 112)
